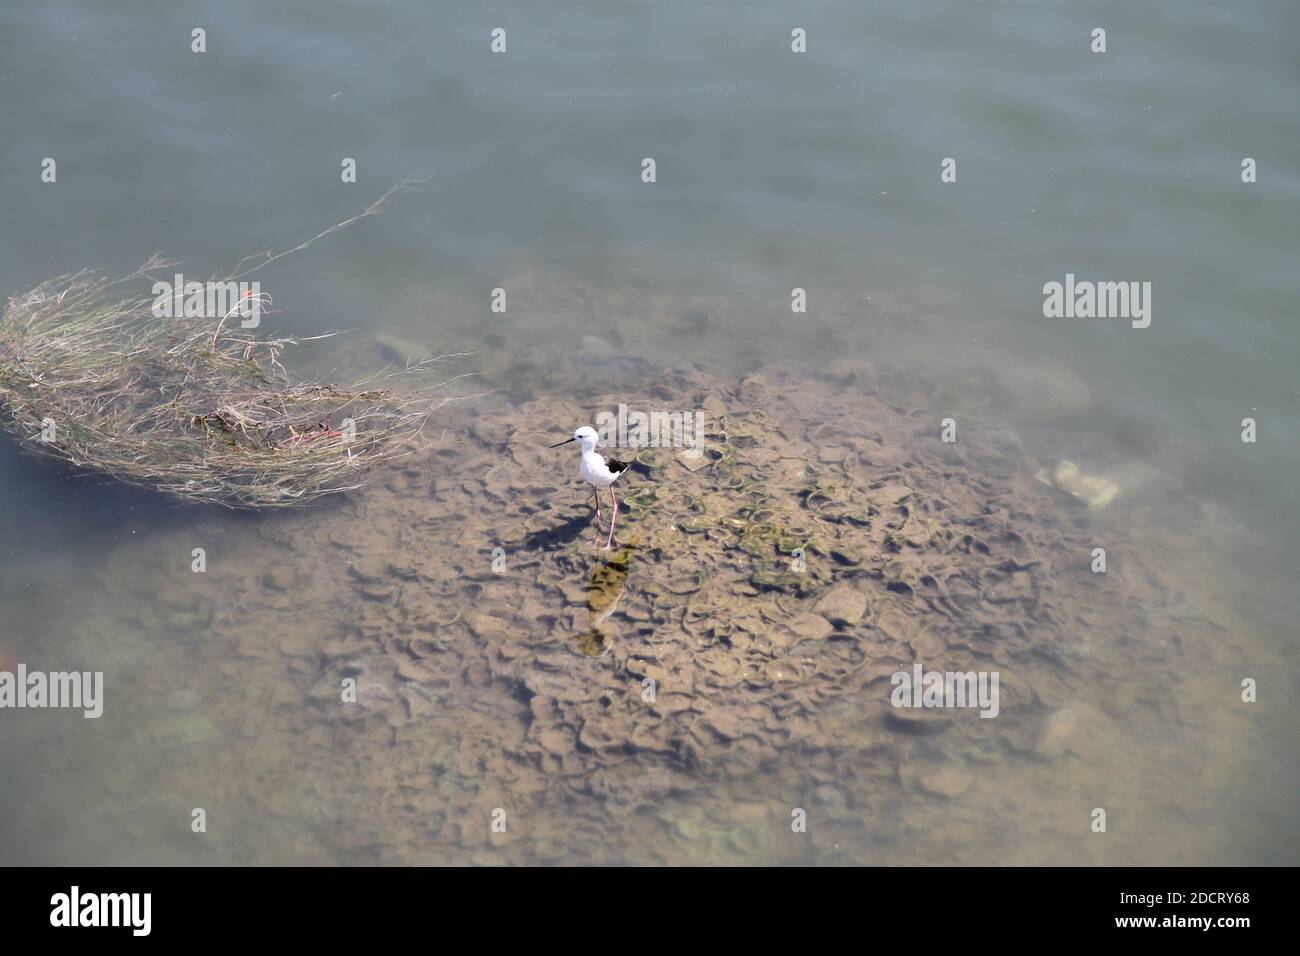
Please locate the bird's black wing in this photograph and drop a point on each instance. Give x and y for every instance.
(616, 466)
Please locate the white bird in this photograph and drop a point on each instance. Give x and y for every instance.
(599, 472)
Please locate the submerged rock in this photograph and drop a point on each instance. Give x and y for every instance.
(842, 606)
(1092, 490)
(1066, 730)
(949, 784)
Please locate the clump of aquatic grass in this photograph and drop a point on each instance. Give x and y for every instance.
(199, 408)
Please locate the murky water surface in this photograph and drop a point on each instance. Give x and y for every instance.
(766, 590)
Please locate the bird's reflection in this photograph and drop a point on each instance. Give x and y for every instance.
(604, 588)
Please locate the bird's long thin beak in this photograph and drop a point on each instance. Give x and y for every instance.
(565, 442)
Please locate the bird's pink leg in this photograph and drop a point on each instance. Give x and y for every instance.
(613, 516)
(596, 491)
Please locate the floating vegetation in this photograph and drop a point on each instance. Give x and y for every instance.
(199, 408)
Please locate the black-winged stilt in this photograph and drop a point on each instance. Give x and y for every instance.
(599, 472)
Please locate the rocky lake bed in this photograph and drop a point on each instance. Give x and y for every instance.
(728, 667)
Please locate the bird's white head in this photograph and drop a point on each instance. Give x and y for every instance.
(586, 436)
